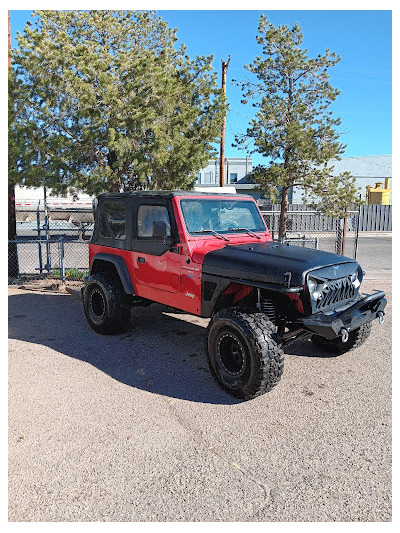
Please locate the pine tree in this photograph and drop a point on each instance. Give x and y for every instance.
(293, 127)
(102, 100)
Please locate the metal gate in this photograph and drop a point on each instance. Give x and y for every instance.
(310, 228)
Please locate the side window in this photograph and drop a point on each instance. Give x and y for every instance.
(149, 218)
(113, 219)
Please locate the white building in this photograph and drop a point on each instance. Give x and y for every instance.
(367, 170)
(237, 170)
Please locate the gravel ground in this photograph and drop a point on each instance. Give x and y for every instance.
(133, 427)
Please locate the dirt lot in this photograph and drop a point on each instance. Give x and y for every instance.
(133, 427)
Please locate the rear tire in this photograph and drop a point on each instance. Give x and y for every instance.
(337, 346)
(244, 352)
(107, 307)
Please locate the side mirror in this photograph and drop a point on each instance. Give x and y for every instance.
(159, 230)
(169, 242)
(160, 234)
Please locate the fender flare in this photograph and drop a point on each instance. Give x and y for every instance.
(219, 284)
(121, 267)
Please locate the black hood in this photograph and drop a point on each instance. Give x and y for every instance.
(268, 262)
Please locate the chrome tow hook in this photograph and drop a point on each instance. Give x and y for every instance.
(381, 317)
(345, 335)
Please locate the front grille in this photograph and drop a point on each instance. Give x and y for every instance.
(337, 291)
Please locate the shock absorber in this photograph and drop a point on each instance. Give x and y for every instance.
(266, 306)
(269, 309)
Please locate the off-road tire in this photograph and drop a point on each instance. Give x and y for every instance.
(337, 346)
(244, 352)
(107, 307)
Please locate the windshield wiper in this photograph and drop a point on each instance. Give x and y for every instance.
(248, 231)
(212, 233)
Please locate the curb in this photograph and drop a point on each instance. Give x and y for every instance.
(374, 234)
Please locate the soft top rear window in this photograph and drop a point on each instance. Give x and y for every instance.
(112, 222)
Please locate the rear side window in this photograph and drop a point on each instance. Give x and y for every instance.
(113, 219)
(147, 218)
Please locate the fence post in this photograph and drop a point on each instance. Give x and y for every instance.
(356, 231)
(62, 259)
(47, 227)
(39, 238)
(339, 235)
(344, 232)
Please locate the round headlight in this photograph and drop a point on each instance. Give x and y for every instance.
(312, 284)
(354, 276)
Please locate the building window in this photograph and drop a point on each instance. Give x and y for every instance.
(233, 177)
(198, 178)
(208, 177)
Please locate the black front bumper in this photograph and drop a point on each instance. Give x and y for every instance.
(361, 312)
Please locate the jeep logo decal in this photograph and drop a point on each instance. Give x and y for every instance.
(189, 294)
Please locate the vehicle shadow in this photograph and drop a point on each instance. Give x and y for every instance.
(162, 352)
(307, 349)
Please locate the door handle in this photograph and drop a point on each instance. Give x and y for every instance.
(141, 260)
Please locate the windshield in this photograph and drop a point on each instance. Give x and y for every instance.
(221, 215)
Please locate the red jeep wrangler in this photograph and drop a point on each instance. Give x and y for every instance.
(212, 255)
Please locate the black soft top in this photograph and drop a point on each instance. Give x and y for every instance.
(167, 194)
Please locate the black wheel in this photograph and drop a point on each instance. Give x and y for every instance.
(244, 352)
(337, 346)
(106, 305)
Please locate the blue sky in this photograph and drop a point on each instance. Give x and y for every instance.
(363, 39)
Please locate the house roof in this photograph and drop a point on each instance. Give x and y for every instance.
(370, 166)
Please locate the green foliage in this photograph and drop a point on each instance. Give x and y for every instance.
(71, 274)
(102, 101)
(293, 127)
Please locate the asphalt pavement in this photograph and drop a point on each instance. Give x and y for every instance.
(133, 427)
(374, 253)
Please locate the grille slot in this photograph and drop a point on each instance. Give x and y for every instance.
(337, 291)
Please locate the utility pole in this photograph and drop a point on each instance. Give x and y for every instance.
(9, 39)
(222, 148)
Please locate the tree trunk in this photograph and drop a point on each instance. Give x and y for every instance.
(285, 189)
(12, 224)
(284, 210)
(111, 160)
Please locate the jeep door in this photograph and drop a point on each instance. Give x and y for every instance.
(156, 263)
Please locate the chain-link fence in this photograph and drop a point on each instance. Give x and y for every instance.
(311, 229)
(50, 244)
(60, 259)
(54, 244)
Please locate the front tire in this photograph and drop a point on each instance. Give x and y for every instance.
(244, 352)
(337, 346)
(106, 305)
